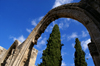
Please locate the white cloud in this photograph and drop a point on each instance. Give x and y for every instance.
(84, 44)
(64, 23)
(41, 51)
(20, 38)
(73, 45)
(67, 22)
(63, 53)
(84, 34)
(63, 64)
(39, 38)
(68, 19)
(40, 18)
(54, 22)
(61, 2)
(34, 22)
(28, 30)
(61, 25)
(49, 29)
(41, 42)
(57, 3)
(72, 36)
(63, 37)
(89, 56)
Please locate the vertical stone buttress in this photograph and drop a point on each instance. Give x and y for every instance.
(94, 53)
(33, 57)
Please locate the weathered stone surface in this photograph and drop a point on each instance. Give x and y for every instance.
(86, 12)
(12, 53)
(33, 57)
(2, 52)
(94, 52)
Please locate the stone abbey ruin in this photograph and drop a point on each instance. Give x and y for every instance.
(86, 12)
(11, 52)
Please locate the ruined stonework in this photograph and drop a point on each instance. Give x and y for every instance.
(12, 51)
(86, 12)
(2, 52)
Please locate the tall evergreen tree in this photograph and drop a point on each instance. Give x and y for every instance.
(79, 54)
(52, 54)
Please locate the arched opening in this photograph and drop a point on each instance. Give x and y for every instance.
(68, 39)
(75, 11)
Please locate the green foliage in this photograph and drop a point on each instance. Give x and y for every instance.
(52, 54)
(79, 54)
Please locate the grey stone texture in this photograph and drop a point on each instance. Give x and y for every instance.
(86, 12)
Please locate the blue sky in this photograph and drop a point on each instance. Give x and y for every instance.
(19, 17)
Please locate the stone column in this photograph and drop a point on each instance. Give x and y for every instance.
(94, 53)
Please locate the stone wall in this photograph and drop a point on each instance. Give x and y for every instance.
(32, 58)
(2, 52)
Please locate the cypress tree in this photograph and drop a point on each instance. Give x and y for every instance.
(52, 54)
(79, 54)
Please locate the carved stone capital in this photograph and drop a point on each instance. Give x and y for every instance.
(93, 49)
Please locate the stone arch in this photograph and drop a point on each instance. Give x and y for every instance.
(81, 12)
(70, 11)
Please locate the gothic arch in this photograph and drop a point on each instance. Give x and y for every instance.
(78, 12)
(83, 12)
(73, 11)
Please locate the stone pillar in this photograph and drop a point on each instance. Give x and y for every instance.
(94, 53)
